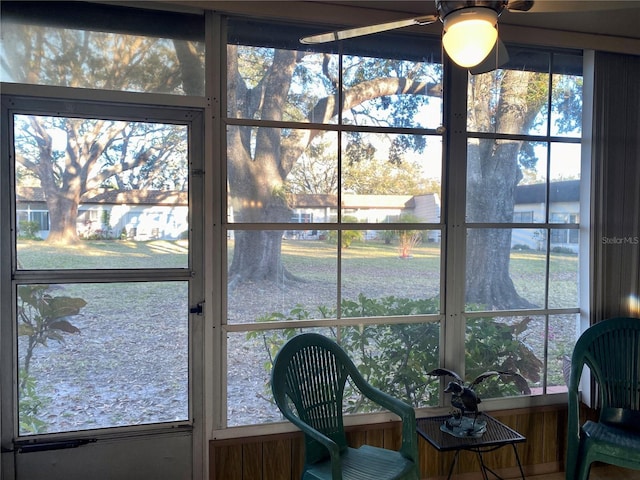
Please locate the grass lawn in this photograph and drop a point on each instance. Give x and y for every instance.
(318, 259)
(527, 270)
(369, 267)
(100, 254)
(106, 375)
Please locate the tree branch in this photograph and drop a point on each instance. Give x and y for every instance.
(327, 108)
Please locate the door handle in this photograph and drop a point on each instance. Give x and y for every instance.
(198, 309)
(54, 445)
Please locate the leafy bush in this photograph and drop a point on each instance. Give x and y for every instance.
(565, 250)
(28, 230)
(408, 239)
(396, 357)
(98, 234)
(492, 345)
(30, 405)
(387, 236)
(348, 236)
(41, 317)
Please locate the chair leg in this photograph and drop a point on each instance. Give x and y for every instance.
(583, 469)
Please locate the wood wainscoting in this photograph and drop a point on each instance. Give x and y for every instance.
(280, 456)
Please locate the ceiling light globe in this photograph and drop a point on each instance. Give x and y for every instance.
(469, 35)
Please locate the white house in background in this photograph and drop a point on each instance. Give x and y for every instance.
(147, 215)
(132, 214)
(322, 208)
(564, 207)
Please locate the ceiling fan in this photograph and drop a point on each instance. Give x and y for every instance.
(470, 36)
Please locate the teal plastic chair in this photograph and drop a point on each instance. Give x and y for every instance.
(308, 379)
(611, 350)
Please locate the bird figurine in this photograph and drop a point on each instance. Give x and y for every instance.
(464, 397)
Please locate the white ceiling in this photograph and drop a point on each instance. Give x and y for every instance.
(612, 25)
(605, 17)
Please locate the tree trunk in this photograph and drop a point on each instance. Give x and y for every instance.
(63, 214)
(256, 181)
(256, 257)
(490, 198)
(493, 172)
(191, 67)
(488, 283)
(257, 253)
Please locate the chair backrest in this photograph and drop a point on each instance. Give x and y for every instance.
(309, 374)
(611, 350)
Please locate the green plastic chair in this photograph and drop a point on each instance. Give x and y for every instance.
(308, 379)
(611, 350)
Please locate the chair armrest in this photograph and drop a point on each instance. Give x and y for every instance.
(409, 447)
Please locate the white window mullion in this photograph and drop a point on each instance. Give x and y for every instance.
(215, 220)
(452, 351)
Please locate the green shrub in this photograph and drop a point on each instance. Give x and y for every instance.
(387, 236)
(28, 230)
(565, 250)
(396, 357)
(492, 345)
(42, 317)
(348, 236)
(30, 404)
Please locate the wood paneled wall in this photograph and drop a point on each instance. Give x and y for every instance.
(280, 457)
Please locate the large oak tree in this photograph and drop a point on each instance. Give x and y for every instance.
(260, 161)
(494, 170)
(269, 84)
(98, 153)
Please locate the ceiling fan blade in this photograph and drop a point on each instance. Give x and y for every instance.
(360, 31)
(520, 5)
(542, 6)
(496, 59)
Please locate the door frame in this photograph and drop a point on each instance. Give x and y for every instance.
(144, 445)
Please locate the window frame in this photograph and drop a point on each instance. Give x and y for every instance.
(452, 318)
(30, 99)
(458, 146)
(228, 227)
(453, 225)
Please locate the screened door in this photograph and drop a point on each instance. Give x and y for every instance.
(98, 346)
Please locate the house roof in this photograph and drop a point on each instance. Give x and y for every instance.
(564, 191)
(154, 197)
(350, 200)
(29, 194)
(377, 201)
(313, 200)
(114, 197)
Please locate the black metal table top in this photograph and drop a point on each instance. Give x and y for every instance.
(497, 434)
